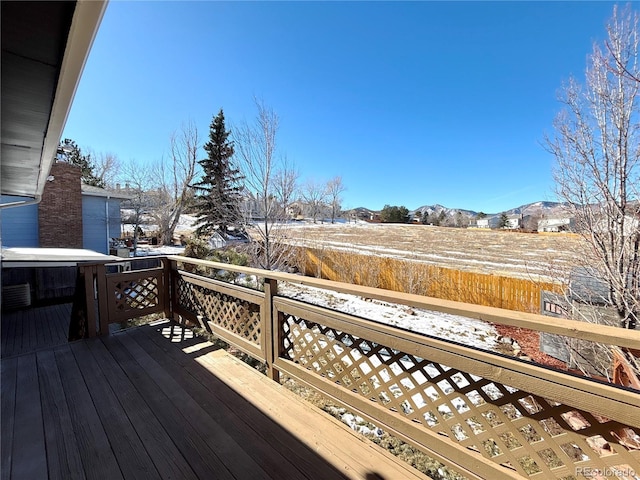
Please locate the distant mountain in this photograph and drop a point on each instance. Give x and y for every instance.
(538, 209)
(362, 212)
(431, 209)
(535, 209)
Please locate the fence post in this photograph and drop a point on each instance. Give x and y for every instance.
(271, 328)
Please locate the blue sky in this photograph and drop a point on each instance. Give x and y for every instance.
(411, 103)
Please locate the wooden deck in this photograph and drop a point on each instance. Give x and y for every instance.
(155, 402)
(23, 331)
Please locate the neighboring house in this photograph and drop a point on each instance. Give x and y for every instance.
(294, 211)
(630, 229)
(559, 224)
(487, 222)
(100, 217)
(216, 240)
(250, 207)
(586, 288)
(587, 300)
(514, 222)
(70, 215)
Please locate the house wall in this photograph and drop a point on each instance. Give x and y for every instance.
(94, 222)
(60, 211)
(513, 223)
(64, 218)
(491, 222)
(18, 225)
(556, 225)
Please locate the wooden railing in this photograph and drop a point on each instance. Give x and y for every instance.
(484, 414)
(113, 296)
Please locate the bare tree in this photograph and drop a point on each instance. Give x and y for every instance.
(314, 196)
(597, 174)
(617, 57)
(174, 178)
(106, 168)
(137, 182)
(285, 185)
(256, 151)
(335, 187)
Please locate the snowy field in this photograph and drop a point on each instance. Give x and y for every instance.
(522, 255)
(516, 254)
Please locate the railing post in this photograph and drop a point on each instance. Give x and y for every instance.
(167, 288)
(82, 323)
(88, 274)
(271, 328)
(103, 299)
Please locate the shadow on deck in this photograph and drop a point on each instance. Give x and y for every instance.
(33, 329)
(156, 402)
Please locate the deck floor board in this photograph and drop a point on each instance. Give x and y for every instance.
(23, 331)
(165, 454)
(195, 450)
(8, 368)
(29, 453)
(155, 402)
(130, 453)
(98, 459)
(234, 414)
(62, 447)
(223, 446)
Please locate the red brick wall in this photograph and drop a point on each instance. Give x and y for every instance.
(60, 210)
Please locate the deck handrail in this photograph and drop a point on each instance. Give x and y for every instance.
(569, 328)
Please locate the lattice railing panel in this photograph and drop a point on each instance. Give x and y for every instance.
(136, 293)
(514, 428)
(230, 313)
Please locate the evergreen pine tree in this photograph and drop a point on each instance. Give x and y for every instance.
(70, 152)
(217, 201)
(503, 221)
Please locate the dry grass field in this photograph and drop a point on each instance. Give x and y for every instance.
(521, 255)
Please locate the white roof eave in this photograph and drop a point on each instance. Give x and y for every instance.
(86, 20)
(58, 257)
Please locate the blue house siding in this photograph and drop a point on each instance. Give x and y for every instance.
(95, 231)
(19, 225)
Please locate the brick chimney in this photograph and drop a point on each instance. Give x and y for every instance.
(60, 210)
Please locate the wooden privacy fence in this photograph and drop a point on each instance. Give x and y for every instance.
(483, 414)
(423, 279)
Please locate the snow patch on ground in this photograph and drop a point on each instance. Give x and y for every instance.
(467, 331)
(146, 251)
(474, 333)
